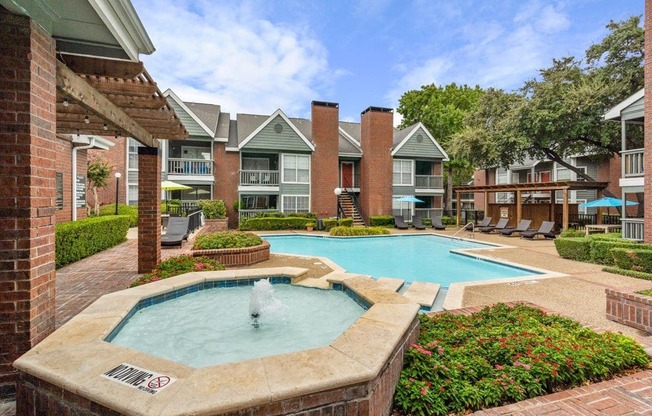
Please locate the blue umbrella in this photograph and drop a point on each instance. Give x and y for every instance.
(607, 202)
(408, 198)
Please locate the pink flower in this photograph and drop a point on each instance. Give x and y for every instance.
(499, 367)
(200, 266)
(424, 391)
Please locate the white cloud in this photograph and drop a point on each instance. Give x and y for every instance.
(429, 72)
(231, 56)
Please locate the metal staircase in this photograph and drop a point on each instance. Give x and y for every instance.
(349, 209)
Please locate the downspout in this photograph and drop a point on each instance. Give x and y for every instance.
(74, 174)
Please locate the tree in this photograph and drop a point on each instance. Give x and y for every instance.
(98, 174)
(442, 110)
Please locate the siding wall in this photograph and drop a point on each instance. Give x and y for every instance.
(268, 139)
(424, 149)
(191, 125)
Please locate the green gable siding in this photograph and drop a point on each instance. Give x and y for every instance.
(295, 189)
(403, 190)
(426, 149)
(194, 129)
(268, 139)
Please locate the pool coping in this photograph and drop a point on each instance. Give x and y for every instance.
(75, 356)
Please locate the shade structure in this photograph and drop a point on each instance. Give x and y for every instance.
(607, 202)
(173, 186)
(407, 198)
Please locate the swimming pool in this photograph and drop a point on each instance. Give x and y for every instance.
(424, 258)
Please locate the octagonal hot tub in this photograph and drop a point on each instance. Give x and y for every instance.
(352, 370)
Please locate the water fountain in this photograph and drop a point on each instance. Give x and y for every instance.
(261, 296)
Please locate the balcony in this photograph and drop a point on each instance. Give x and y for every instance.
(190, 167)
(429, 181)
(633, 163)
(633, 228)
(259, 178)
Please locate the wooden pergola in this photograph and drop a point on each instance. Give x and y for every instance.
(519, 188)
(108, 97)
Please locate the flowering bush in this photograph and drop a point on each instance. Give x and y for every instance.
(504, 354)
(178, 265)
(228, 239)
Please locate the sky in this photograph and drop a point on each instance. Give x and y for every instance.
(257, 56)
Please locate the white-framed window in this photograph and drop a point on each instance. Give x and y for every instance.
(565, 174)
(296, 203)
(132, 194)
(580, 208)
(403, 172)
(296, 168)
(402, 208)
(503, 177)
(132, 151)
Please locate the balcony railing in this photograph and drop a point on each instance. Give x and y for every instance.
(190, 167)
(633, 229)
(633, 162)
(250, 213)
(259, 177)
(429, 181)
(419, 212)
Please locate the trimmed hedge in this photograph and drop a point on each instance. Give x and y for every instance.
(601, 249)
(446, 220)
(212, 209)
(230, 239)
(574, 248)
(571, 232)
(329, 223)
(275, 223)
(381, 221)
(630, 273)
(345, 222)
(129, 210)
(639, 260)
(344, 231)
(76, 240)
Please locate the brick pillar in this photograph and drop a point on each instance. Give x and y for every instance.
(324, 175)
(227, 179)
(647, 187)
(27, 189)
(376, 140)
(149, 208)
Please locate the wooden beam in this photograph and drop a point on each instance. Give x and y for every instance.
(128, 101)
(459, 207)
(519, 207)
(88, 97)
(565, 210)
(103, 67)
(121, 86)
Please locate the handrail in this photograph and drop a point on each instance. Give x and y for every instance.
(356, 200)
(471, 234)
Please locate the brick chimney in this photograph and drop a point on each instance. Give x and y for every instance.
(325, 159)
(377, 136)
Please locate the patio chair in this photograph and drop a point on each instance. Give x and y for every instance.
(484, 223)
(399, 223)
(436, 223)
(546, 230)
(177, 231)
(416, 223)
(500, 225)
(522, 226)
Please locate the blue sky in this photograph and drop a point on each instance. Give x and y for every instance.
(257, 56)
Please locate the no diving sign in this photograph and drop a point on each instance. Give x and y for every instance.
(139, 378)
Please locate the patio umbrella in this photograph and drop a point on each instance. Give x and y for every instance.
(172, 186)
(607, 202)
(407, 198)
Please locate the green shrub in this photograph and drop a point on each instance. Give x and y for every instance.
(175, 266)
(357, 231)
(129, 210)
(76, 240)
(639, 260)
(274, 223)
(446, 220)
(345, 222)
(212, 209)
(647, 292)
(310, 215)
(269, 214)
(608, 236)
(229, 239)
(329, 223)
(600, 249)
(501, 355)
(381, 221)
(426, 221)
(630, 273)
(571, 232)
(574, 248)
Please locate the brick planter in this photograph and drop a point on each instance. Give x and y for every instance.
(237, 256)
(216, 225)
(630, 309)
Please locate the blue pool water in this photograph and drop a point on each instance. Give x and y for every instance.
(423, 258)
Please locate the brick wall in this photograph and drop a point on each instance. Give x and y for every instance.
(117, 157)
(232, 257)
(149, 208)
(27, 191)
(648, 121)
(324, 170)
(377, 135)
(227, 178)
(479, 179)
(630, 309)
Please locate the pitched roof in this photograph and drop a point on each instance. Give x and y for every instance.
(400, 135)
(614, 113)
(209, 114)
(349, 138)
(248, 123)
(223, 124)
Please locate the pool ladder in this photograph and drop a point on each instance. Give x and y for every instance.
(471, 234)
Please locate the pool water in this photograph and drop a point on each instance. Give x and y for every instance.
(423, 258)
(212, 326)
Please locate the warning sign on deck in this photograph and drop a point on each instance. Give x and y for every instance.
(139, 378)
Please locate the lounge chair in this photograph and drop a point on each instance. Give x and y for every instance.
(546, 230)
(399, 223)
(500, 225)
(484, 223)
(177, 231)
(522, 226)
(436, 223)
(416, 223)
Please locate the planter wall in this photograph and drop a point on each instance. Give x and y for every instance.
(630, 309)
(216, 225)
(237, 256)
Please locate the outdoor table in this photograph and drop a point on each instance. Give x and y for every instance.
(606, 227)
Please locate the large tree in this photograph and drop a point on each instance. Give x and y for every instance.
(442, 109)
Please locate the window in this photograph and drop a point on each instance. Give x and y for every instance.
(564, 174)
(296, 168)
(132, 197)
(403, 172)
(296, 203)
(133, 153)
(401, 208)
(255, 163)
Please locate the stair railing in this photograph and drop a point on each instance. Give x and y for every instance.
(468, 227)
(354, 198)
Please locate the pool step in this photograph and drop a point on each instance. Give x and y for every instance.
(390, 283)
(422, 293)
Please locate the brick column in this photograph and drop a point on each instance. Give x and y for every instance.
(149, 208)
(647, 187)
(27, 189)
(324, 175)
(376, 140)
(227, 179)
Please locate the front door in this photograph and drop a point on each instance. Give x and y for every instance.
(347, 175)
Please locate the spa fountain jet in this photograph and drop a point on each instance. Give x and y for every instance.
(261, 296)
